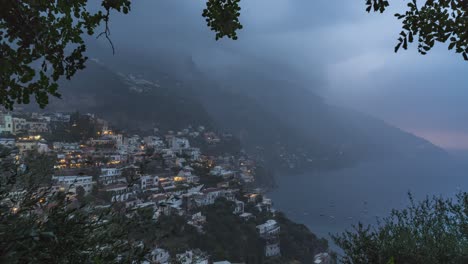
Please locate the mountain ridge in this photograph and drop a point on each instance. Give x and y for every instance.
(281, 122)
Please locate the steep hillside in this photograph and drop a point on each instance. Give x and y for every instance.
(130, 101)
(305, 112)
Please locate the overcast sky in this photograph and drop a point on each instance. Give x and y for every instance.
(334, 46)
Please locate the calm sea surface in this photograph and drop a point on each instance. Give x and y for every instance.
(330, 202)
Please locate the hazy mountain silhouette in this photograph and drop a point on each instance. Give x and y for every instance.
(284, 122)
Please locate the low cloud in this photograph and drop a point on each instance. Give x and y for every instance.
(349, 50)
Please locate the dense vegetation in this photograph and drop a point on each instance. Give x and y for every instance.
(428, 232)
(297, 242)
(41, 225)
(229, 237)
(80, 127)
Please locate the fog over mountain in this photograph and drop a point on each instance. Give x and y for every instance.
(280, 116)
(334, 48)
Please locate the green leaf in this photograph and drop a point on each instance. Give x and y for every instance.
(397, 47)
(451, 45)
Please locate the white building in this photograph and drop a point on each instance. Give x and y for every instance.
(66, 146)
(193, 153)
(197, 220)
(60, 117)
(70, 183)
(109, 175)
(192, 257)
(265, 205)
(117, 158)
(37, 126)
(272, 249)
(221, 172)
(6, 123)
(133, 143)
(322, 258)
(186, 175)
(270, 232)
(160, 256)
(19, 124)
(119, 192)
(178, 144)
(270, 227)
(7, 142)
(118, 138)
(30, 145)
(42, 147)
(239, 207)
(154, 142)
(208, 196)
(149, 182)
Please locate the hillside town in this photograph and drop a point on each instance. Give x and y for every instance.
(165, 172)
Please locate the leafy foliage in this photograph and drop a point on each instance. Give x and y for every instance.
(222, 16)
(431, 231)
(79, 128)
(37, 170)
(41, 225)
(297, 242)
(228, 237)
(34, 38)
(430, 22)
(42, 41)
(174, 233)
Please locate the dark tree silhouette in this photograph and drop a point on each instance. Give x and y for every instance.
(431, 21)
(429, 232)
(80, 193)
(41, 225)
(42, 41)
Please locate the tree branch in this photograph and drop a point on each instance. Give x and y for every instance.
(106, 31)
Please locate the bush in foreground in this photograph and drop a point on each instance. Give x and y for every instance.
(434, 230)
